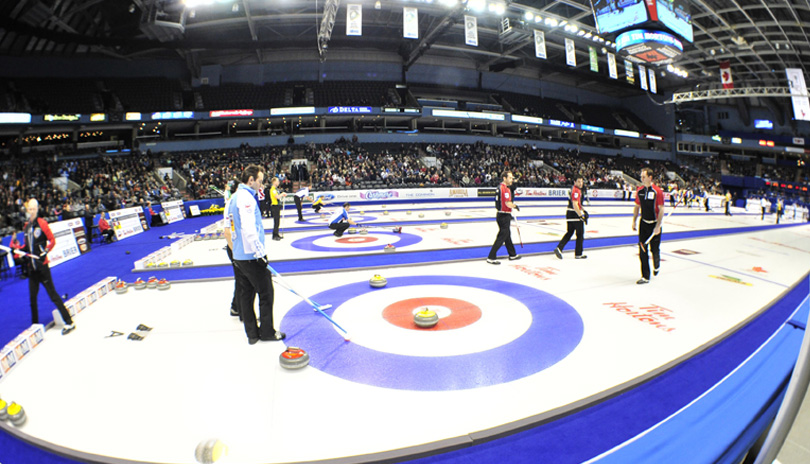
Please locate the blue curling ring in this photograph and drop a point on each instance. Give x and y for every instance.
(555, 331)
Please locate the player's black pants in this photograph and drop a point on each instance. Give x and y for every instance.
(42, 275)
(504, 236)
(299, 206)
(275, 211)
(575, 224)
(236, 284)
(255, 278)
(339, 228)
(646, 229)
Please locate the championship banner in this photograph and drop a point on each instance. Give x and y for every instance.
(540, 44)
(173, 210)
(354, 19)
(128, 221)
(570, 53)
(628, 71)
(798, 88)
(71, 241)
(471, 30)
(410, 23)
(653, 83)
(642, 76)
(594, 59)
(612, 66)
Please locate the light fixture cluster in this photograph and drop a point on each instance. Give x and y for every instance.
(591, 36)
(677, 71)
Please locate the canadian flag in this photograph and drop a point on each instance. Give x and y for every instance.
(725, 75)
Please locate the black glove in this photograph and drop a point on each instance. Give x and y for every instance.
(585, 216)
(517, 208)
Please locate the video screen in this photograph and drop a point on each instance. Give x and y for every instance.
(675, 15)
(613, 15)
(763, 124)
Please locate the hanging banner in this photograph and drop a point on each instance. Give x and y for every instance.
(539, 44)
(612, 66)
(653, 84)
(594, 59)
(410, 23)
(725, 75)
(642, 76)
(570, 53)
(471, 30)
(798, 88)
(628, 71)
(354, 19)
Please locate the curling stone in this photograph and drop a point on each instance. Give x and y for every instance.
(378, 281)
(134, 337)
(385, 212)
(16, 414)
(447, 213)
(121, 287)
(188, 262)
(426, 318)
(197, 237)
(163, 284)
(408, 212)
(3, 411)
(209, 451)
(150, 265)
(174, 263)
(293, 358)
(363, 231)
(352, 230)
(362, 212)
(139, 284)
(443, 225)
(162, 264)
(152, 282)
(390, 248)
(421, 215)
(143, 328)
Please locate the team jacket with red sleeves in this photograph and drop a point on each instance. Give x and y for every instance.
(38, 240)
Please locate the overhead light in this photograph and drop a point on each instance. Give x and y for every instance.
(581, 33)
(500, 8)
(588, 35)
(538, 18)
(477, 5)
(528, 16)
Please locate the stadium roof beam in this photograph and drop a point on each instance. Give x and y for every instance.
(787, 38)
(330, 9)
(252, 28)
(745, 92)
(452, 17)
(748, 17)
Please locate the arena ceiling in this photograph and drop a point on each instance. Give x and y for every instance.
(760, 38)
